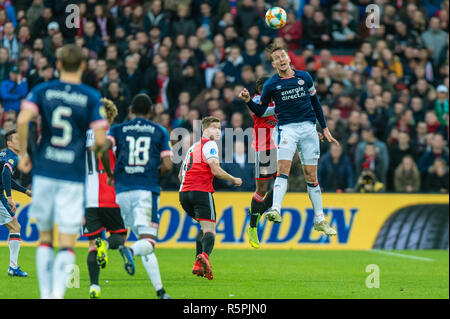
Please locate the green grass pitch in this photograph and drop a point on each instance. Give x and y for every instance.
(255, 274)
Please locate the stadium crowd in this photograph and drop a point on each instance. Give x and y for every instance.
(387, 102)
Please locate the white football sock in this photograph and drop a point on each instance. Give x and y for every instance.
(14, 247)
(151, 265)
(61, 271)
(315, 195)
(44, 268)
(143, 247)
(279, 190)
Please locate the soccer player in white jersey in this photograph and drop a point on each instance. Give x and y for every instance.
(297, 108)
(68, 109)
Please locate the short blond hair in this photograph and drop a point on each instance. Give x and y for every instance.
(207, 121)
(110, 108)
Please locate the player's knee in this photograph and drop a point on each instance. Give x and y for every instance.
(115, 240)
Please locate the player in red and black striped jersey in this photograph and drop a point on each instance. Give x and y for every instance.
(102, 211)
(265, 163)
(196, 175)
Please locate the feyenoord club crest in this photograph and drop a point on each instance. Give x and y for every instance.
(301, 82)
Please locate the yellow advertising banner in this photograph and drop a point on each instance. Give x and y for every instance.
(357, 218)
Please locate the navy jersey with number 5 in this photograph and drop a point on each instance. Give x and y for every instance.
(68, 110)
(140, 145)
(292, 97)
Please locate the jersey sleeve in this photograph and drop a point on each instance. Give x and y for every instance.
(11, 163)
(111, 134)
(98, 113)
(165, 144)
(310, 83)
(210, 150)
(31, 101)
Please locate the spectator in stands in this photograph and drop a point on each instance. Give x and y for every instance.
(432, 121)
(13, 90)
(91, 40)
(441, 104)
(156, 17)
(435, 39)
(233, 66)
(8, 40)
(407, 176)
(368, 182)
(335, 171)
(318, 30)
(397, 153)
(251, 55)
(438, 179)
(35, 11)
(246, 17)
(438, 150)
(381, 155)
(5, 64)
(183, 24)
(292, 32)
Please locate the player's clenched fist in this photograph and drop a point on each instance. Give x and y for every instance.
(244, 95)
(237, 181)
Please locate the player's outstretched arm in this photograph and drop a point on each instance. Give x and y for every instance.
(23, 123)
(258, 109)
(218, 172)
(166, 165)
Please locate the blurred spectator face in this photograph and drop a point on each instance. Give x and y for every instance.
(180, 40)
(205, 9)
(336, 115)
(367, 135)
(440, 167)
(114, 89)
(215, 93)
(184, 55)
(253, 32)
(416, 104)
(183, 111)
(159, 109)
(24, 66)
(403, 138)
(400, 27)
(247, 75)
(429, 139)
(421, 129)
(230, 33)
(370, 105)
(98, 10)
(193, 115)
(89, 28)
(237, 89)
(438, 143)
(430, 118)
(113, 74)
(193, 42)
(155, 34)
(92, 65)
(182, 11)
(47, 72)
(184, 98)
(163, 68)
(248, 3)
(130, 64)
(167, 41)
(163, 51)
(201, 33)
(38, 44)
(308, 11)
(407, 164)
(211, 59)
(366, 49)
(219, 41)
(228, 94)
(410, 10)
(111, 52)
(250, 45)
(434, 24)
(101, 67)
(47, 13)
(370, 150)
(422, 86)
(156, 7)
(354, 118)
(142, 38)
(119, 33)
(213, 105)
(404, 96)
(259, 71)
(219, 79)
(4, 55)
(58, 40)
(376, 73)
(133, 46)
(220, 115)
(8, 126)
(157, 59)
(236, 120)
(335, 152)
(336, 89)
(318, 17)
(188, 71)
(387, 98)
(398, 108)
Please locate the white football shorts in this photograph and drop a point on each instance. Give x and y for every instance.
(5, 216)
(301, 137)
(59, 202)
(139, 209)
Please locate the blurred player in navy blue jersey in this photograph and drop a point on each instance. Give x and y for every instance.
(142, 152)
(68, 109)
(8, 163)
(298, 109)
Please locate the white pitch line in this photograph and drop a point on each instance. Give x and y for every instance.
(401, 255)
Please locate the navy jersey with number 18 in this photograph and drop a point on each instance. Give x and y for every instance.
(67, 110)
(140, 145)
